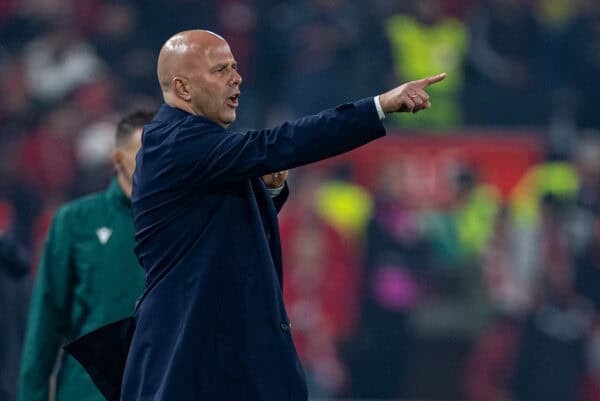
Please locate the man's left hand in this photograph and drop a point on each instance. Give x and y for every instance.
(275, 180)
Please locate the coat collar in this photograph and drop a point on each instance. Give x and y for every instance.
(169, 113)
(115, 194)
(166, 113)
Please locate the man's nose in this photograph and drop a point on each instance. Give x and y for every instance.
(236, 78)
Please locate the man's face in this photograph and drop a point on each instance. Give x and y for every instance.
(214, 84)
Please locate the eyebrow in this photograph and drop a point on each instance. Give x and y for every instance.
(222, 65)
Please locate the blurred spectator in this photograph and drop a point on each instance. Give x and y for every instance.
(23, 21)
(14, 300)
(58, 62)
(507, 283)
(550, 360)
(427, 42)
(17, 110)
(586, 162)
(395, 256)
(93, 148)
(543, 359)
(477, 205)
(46, 161)
(541, 193)
(320, 287)
(458, 232)
(88, 277)
(344, 204)
(504, 74)
(544, 189)
(553, 176)
(460, 229)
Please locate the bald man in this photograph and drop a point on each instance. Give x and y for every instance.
(211, 324)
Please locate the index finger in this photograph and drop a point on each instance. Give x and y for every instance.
(431, 80)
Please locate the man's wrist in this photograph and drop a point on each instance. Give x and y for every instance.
(273, 192)
(379, 108)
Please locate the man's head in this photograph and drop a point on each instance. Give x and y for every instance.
(198, 73)
(128, 142)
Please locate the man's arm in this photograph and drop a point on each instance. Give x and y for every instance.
(216, 156)
(48, 314)
(219, 157)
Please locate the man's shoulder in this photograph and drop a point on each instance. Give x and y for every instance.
(170, 142)
(181, 125)
(79, 207)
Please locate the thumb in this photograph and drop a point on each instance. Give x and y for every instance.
(425, 82)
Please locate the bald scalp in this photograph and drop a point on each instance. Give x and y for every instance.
(176, 55)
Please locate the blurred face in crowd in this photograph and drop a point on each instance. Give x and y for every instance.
(198, 73)
(428, 11)
(123, 159)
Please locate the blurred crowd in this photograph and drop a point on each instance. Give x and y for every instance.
(479, 296)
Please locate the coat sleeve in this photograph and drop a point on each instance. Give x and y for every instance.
(215, 156)
(49, 312)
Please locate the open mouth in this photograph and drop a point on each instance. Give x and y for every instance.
(232, 101)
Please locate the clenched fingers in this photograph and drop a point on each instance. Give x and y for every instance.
(419, 99)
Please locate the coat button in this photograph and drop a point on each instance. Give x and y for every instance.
(285, 327)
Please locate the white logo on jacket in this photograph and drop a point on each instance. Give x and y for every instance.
(103, 234)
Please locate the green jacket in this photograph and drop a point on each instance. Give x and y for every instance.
(88, 277)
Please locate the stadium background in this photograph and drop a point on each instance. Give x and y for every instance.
(457, 260)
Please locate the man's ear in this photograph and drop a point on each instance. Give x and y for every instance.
(180, 88)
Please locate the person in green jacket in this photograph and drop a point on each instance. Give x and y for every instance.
(88, 277)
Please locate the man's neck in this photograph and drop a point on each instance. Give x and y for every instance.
(124, 184)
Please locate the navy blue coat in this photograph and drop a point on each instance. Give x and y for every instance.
(212, 324)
